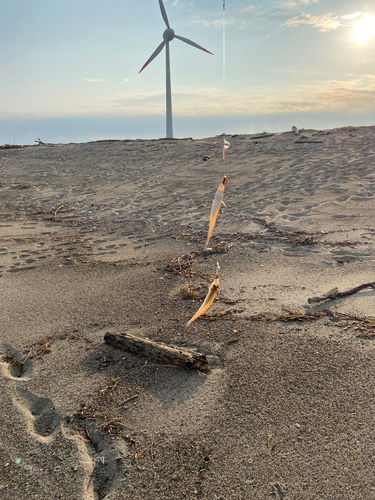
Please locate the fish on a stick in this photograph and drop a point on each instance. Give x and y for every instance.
(210, 297)
(216, 205)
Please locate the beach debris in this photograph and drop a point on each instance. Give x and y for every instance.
(295, 130)
(182, 265)
(216, 205)
(228, 314)
(159, 352)
(335, 294)
(226, 145)
(210, 297)
(39, 141)
(306, 137)
(21, 186)
(206, 158)
(11, 146)
(261, 136)
(306, 140)
(129, 399)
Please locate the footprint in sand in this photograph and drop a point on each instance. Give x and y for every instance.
(99, 457)
(108, 468)
(41, 417)
(13, 367)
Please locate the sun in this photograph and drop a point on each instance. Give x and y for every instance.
(364, 29)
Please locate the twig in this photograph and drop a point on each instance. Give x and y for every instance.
(115, 423)
(61, 206)
(91, 441)
(24, 361)
(335, 294)
(127, 400)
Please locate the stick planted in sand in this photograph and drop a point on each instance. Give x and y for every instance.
(210, 297)
(216, 205)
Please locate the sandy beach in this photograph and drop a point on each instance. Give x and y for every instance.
(109, 236)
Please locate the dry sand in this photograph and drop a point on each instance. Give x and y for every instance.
(86, 234)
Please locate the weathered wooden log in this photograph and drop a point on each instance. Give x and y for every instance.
(159, 352)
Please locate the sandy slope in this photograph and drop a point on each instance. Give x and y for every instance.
(86, 232)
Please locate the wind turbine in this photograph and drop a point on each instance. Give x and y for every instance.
(168, 36)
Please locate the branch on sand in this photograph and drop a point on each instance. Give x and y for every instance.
(335, 294)
(159, 352)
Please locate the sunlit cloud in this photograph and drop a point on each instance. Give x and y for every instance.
(325, 23)
(351, 16)
(292, 4)
(94, 80)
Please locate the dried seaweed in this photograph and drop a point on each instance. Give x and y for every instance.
(362, 325)
(228, 314)
(182, 265)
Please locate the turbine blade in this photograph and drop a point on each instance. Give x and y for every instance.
(163, 13)
(153, 55)
(186, 40)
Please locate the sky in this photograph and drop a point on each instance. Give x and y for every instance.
(69, 71)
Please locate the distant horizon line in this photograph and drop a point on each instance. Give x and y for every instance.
(256, 135)
(79, 129)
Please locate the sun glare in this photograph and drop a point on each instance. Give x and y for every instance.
(364, 29)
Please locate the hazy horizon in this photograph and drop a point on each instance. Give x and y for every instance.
(27, 130)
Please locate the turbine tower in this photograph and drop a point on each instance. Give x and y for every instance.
(168, 36)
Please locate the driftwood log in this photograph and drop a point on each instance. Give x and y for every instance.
(335, 294)
(159, 352)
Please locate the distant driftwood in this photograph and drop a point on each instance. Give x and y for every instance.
(261, 136)
(335, 294)
(159, 352)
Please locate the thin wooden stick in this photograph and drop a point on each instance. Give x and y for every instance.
(159, 352)
(335, 294)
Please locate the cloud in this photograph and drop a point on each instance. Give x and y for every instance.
(215, 22)
(325, 23)
(353, 96)
(292, 4)
(296, 71)
(351, 16)
(91, 80)
(243, 25)
(250, 8)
